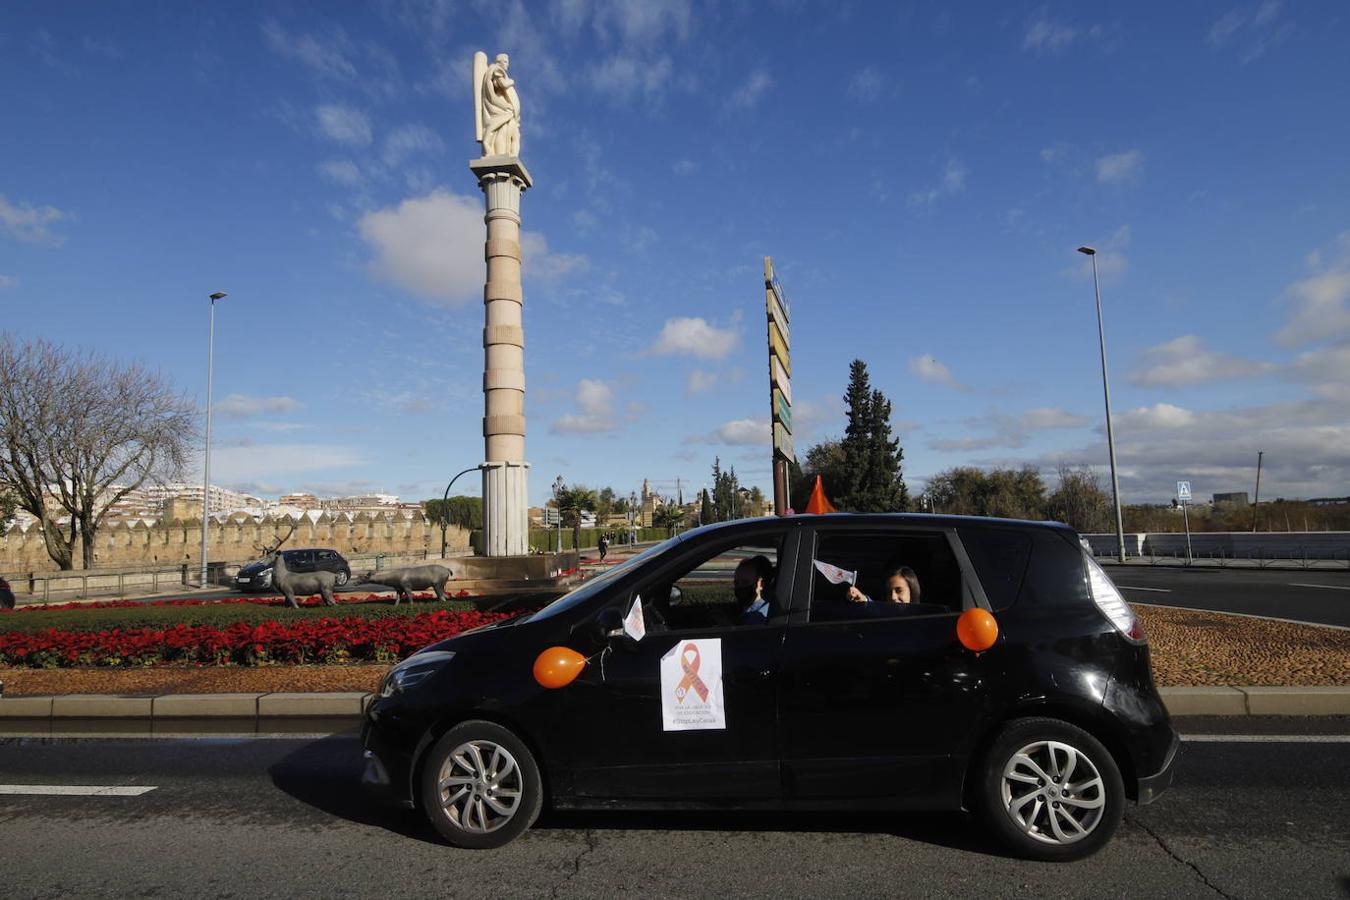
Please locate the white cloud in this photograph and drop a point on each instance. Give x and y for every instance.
(240, 406)
(342, 171)
(1185, 360)
(595, 400)
(433, 246)
(1325, 366)
(344, 124)
(1051, 417)
(1321, 302)
(638, 22)
(866, 84)
(700, 381)
(1118, 168)
(1252, 27)
(684, 167)
(31, 224)
(8, 281)
(1159, 416)
(1111, 258)
(737, 433)
(751, 91)
(933, 372)
(1009, 431)
(261, 462)
(325, 55)
(695, 337)
(1043, 33)
(408, 140)
(623, 77)
(953, 181)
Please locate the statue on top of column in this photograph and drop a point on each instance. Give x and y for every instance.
(496, 106)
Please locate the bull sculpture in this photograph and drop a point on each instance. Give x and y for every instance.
(292, 583)
(411, 578)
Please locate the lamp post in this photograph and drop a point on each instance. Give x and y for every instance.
(445, 500)
(633, 514)
(206, 467)
(558, 485)
(1106, 391)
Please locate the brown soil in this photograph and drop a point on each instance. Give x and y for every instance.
(1188, 648)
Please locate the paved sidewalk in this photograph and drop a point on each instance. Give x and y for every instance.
(273, 712)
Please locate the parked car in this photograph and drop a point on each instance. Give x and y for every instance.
(257, 575)
(820, 704)
(6, 595)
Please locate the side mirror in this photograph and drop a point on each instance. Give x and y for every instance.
(609, 624)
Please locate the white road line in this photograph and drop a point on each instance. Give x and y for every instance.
(1326, 587)
(75, 790)
(1130, 587)
(1269, 738)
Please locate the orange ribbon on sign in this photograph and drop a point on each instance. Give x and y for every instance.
(690, 680)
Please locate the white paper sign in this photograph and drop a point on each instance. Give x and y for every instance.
(633, 624)
(691, 686)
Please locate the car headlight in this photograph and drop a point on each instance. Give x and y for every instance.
(414, 670)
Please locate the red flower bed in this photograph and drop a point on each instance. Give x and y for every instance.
(186, 601)
(351, 639)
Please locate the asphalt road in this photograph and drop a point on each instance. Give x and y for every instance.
(1302, 595)
(284, 818)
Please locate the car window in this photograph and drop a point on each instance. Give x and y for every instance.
(704, 594)
(999, 556)
(593, 585)
(326, 555)
(922, 562)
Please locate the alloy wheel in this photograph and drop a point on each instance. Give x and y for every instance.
(480, 786)
(1053, 792)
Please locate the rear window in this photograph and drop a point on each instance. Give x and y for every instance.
(999, 556)
(1057, 576)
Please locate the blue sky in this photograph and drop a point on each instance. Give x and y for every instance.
(921, 174)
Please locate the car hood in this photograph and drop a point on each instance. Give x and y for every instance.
(255, 568)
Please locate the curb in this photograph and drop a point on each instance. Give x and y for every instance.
(268, 712)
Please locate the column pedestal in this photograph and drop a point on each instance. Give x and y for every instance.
(506, 524)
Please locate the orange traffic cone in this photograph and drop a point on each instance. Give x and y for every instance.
(819, 503)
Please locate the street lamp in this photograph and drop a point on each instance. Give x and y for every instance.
(1106, 390)
(206, 473)
(445, 501)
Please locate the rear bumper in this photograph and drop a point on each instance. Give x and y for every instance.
(1150, 787)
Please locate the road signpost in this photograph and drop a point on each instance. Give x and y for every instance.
(778, 310)
(1184, 497)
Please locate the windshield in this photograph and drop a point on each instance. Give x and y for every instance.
(589, 589)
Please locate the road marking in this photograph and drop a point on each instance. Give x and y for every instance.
(1326, 587)
(1130, 587)
(75, 790)
(1269, 738)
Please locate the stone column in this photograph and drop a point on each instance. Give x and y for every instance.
(505, 497)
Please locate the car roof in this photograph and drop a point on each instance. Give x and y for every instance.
(930, 519)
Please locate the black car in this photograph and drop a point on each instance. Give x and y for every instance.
(827, 696)
(257, 576)
(6, 595)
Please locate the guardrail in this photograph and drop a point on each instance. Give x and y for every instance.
(121, 582)
(1309, 550)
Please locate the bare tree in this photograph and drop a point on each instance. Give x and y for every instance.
(78, 432)
(1080, 500)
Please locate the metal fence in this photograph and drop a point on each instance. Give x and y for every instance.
(1309, 550)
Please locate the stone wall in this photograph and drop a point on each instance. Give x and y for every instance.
(123, 544)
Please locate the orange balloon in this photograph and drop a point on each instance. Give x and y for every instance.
(977, 630)
(558, 667)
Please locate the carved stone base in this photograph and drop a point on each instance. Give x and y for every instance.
(506, 523)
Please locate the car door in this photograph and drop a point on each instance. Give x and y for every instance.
(621, 745)
(876, 698)
(327, 561)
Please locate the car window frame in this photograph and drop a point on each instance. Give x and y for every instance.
(784, 584)
(972, 592)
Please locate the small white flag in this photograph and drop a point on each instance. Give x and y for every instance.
(836, 575)
(633, 624)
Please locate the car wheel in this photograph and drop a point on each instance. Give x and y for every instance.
(1051, 791)
(342, 578)
(480, 786)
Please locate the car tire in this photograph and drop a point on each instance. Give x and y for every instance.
(480, 786)
(342, 578)
(1050, 791)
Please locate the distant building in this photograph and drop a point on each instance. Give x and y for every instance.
(360, 503)
(223, 500)
(302, 501)
(1233, 498)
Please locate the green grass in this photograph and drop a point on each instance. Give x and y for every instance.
(213, 614)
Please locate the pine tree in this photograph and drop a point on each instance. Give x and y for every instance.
(705, 512)
(870, 469)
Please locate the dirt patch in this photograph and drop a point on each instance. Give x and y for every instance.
(1188, 648)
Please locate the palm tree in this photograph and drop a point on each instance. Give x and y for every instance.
(668, 516)
(572, 501)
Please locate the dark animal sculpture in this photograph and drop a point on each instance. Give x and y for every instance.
(413, 578)
(303, 583)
